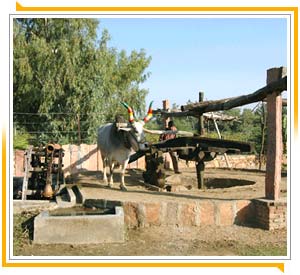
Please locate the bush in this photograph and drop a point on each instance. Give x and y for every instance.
(21, 140)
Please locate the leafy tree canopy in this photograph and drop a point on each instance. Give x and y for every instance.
(68, 81)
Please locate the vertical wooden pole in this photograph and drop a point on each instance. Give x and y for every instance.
(274, 137)
(200, 166)
(166, 107)
(201, 122)
(167, 158)
(78, 127)
(26, 173)
(200, 174)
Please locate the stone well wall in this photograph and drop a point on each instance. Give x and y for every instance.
(177, 213)
(204, 212)
(266, 214)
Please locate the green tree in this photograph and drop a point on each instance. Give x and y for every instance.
(67, 81)
(284, 129)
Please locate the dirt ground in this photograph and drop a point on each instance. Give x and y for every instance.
(220, 183)
(173, 240)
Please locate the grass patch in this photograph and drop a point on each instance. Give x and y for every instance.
(23, 231)
(239, 246)
(265, 250)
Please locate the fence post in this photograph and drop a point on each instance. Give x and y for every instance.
(274, 136)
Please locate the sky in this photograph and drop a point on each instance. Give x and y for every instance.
(222, 57)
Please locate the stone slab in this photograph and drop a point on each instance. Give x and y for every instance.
(87, 229)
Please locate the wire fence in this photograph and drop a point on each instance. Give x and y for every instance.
(37, 125)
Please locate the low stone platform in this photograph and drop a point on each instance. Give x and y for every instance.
(83, 229)
(20, 206)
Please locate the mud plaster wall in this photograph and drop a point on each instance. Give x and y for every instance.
(86, 157)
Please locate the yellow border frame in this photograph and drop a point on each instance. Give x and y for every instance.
(21, 8)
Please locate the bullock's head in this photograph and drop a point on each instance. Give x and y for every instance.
(134, 129)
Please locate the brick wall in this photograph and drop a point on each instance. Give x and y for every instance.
(270, 214)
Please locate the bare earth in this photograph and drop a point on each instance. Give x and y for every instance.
(172, 241)
(222, 184)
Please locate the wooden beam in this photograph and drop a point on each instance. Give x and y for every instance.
(208, 115)
(196, 109)
(160, 132)
(229, 103)
(176, 113)
(219, 116)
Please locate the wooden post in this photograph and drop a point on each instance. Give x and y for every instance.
(201, 123)
(200, 165)
(166, 107)
(78, 127)
(200, 174)
(274, 136)
(26, 172)
(167, 158)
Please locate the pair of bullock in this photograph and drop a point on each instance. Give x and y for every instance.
(117, 140)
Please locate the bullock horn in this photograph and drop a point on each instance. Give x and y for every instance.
(149, 113)
(130, 111)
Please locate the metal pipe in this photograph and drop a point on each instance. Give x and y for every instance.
(50, 147)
